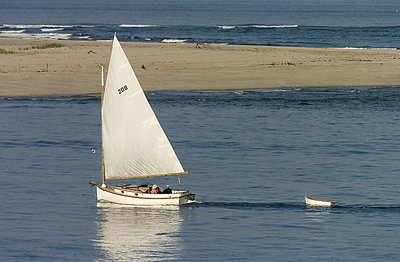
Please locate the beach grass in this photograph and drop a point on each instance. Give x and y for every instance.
(3, 51)
(52, 45)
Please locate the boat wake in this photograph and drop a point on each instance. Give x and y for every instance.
(249, 205)
(296, 205)
(371, 208)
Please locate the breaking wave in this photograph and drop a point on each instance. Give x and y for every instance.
(173, 41)
(225, 27)
(137, 26)
(35, 26)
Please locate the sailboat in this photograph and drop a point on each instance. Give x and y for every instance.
(134, 144)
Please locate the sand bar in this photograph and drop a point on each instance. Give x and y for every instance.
(73, 69)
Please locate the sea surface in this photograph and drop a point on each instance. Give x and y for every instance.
(252, 157)
(308, 23)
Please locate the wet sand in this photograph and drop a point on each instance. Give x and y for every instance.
(73, 69)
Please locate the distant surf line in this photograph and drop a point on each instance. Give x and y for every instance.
(137, 26)
(257, 26)
(38, 26)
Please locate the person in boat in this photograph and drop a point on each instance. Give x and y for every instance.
(155, 189)
(167, 190)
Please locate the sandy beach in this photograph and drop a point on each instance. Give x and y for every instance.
(73, 68)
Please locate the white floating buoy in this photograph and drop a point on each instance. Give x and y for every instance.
(93, 151)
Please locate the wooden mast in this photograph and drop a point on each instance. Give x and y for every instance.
(103, 169)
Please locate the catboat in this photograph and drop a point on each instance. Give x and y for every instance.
(319, 203)
(134, 144)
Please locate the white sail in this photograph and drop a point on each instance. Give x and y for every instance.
(134, 143)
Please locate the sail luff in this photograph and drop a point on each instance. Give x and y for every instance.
(103, 168)
(135, 144)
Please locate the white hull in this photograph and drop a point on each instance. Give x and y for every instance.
(118, 196)
(319, 203)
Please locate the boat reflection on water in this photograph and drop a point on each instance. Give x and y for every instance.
(138, 233)
(317, 214)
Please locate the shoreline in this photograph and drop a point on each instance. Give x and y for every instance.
(74, 68)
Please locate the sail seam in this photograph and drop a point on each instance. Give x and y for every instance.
(169, 174)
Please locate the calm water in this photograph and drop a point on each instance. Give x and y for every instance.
(311, 23)
(253, 156)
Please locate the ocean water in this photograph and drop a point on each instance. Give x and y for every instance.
(253, 156)
(309, 23)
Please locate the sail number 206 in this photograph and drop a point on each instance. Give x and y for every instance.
(122, 89)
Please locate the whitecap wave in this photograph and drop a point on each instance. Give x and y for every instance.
(35, 26)
(226, 27)
(10, 34)
(138, 26)
(173, 41)
(51, 29)
(13, 31)
(273, 26)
